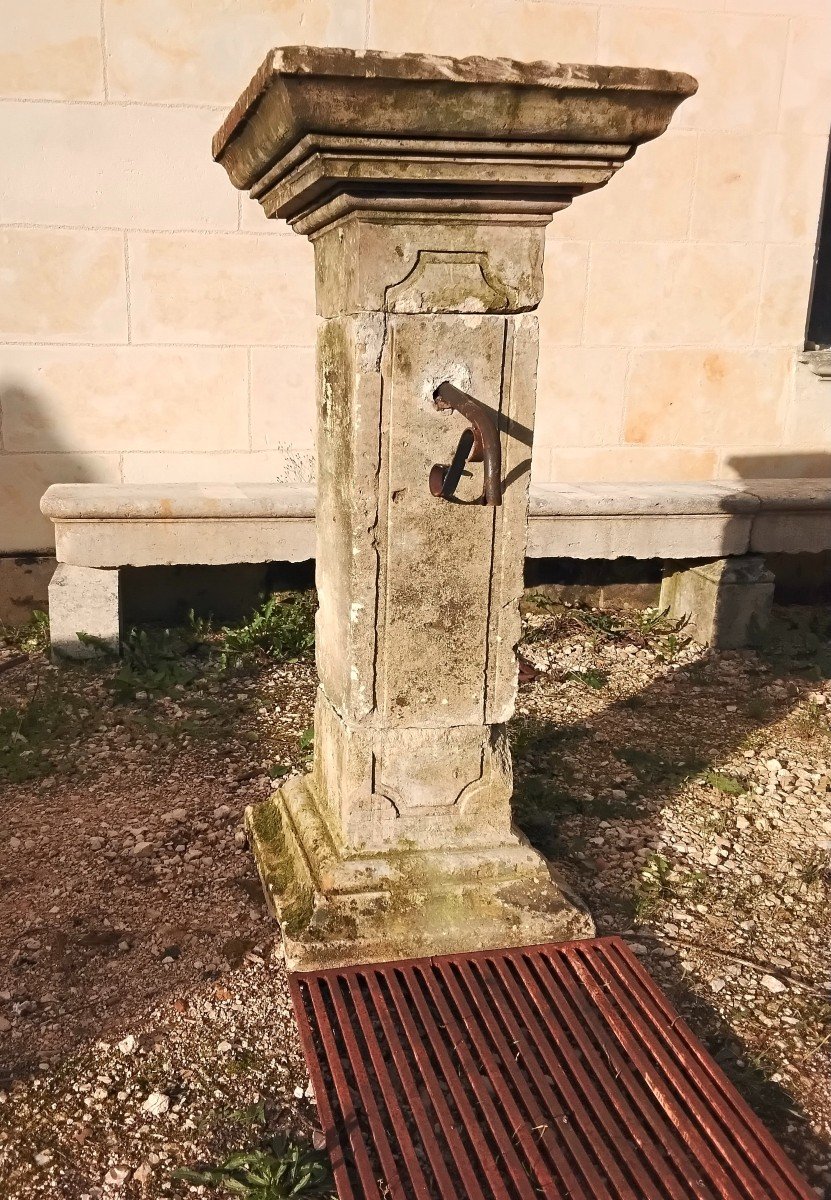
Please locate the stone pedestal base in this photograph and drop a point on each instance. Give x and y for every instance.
(335, 909)
(83, 600)
(725, 600)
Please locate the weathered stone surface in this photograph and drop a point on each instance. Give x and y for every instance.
(649, 520)
(725, 600)
(83, 600)
(111, 525)
(376, 907)
(425, 185)
(144, 525)
(307, 119)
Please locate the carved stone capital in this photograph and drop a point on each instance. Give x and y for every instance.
(319, 132)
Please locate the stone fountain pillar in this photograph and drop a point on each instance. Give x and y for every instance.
(425, 185)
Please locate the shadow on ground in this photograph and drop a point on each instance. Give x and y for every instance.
(607, 790)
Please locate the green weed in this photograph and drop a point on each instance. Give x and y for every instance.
(30, 638)
(282, 1170)
(651, 768)
(592, 677)
(31, 734)
(155, 661)
(653, 886)
(282, 628)
(726, 784)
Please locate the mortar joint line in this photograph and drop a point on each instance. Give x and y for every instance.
(103, 31)
(249, 372)
(128, 297)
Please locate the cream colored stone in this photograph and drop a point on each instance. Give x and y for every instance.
(786, 290)
(748, 462)
(138, 543)
(564, 296)
(704, 397)
(732, 187)
(221, 466)
(657, 520)
(24, 583)
(540, 464)
(61, 286)
(83, 600)
(631, 463)
(177, 502)
(782, 8)
(165, 50)
(283, 413)
(638, 536)
(725, 602)
(805, 103)
(734, 58)
(23, 480)
(52, 51)
(175, 524)
(353, 273)
(221, 289)
(123, 398)
(648, 202)
(670, 294)
(809, 417)
(580, 395)
(519, 29)
(797, 173)
(125, 166)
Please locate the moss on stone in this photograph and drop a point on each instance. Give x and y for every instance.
(291, 896)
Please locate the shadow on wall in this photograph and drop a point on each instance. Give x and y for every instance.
(26, 471)
(806, 464)
(35, 456)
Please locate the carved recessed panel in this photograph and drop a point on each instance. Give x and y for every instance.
(447, 281)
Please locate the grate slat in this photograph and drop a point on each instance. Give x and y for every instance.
(469, 1116)
(357, 1142)
(500, 1131)
(559, 1071)
(563, 1102)
(615, 1087)
(533, 1129)
(410, 1091)
(719, 1129)
(753, 1138)
(651, 1067)
(431, 1081)
(701, 1120)
(659, 1129)
(544, 1037)
(365, 1089)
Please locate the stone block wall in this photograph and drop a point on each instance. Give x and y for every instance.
(154, 326)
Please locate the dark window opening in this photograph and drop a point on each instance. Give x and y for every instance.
(818, 336)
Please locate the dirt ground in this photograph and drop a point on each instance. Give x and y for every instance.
(144, 1015)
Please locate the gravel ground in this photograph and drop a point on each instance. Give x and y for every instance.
(144, 1015)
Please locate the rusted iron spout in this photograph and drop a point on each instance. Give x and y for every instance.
(479, 443)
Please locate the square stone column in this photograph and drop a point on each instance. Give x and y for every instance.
(425, 185)
(725, 601)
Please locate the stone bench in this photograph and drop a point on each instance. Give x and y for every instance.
(100, 528)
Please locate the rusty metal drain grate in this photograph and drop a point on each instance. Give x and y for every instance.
(547, 1071)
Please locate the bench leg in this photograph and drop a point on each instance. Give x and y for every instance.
(724, 599)
(83, 600)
